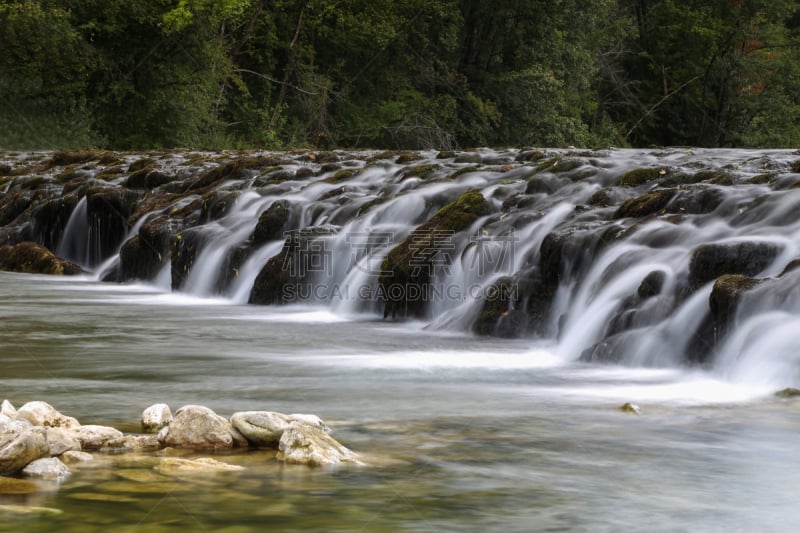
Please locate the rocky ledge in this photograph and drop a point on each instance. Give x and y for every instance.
(38, 442)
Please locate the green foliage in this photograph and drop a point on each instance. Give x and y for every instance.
(425, 74)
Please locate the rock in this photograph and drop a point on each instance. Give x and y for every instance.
(31, 258)
(630, 408)
(176, 465)
(639, 176)
(200, 428)
(272, 223)
(133, 443)
(8, 410)
(20, 443)
(309, 445)
(110, 208)
(646, 204)
(156, 417)
(76, 457)
(62, 440)
(310, 420)
(651, 284)
(724, 300)
(261, 428)
(409, 267)
(94, 437)
(789, 392)
(51, 469)
(44, 414)
(747, 258)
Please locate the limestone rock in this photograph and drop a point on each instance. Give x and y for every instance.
(76, 457)
(62, 440)
(7, 409)
(19, 445)
(200, 428)
(176, 465)
(261, 428)
(309, 445)
(94, 437)
(156, 417)
(44, 414)
(51, 469)
(134, 443)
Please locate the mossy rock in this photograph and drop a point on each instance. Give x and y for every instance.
(186, 247)
(646, 204)
(342, 175)
(724, 300)
(763, 179)
(72, 157)
(566, 164)
(464, 170)
(232, 170)
(640, 176)
(446, 154)
(6, 170)
(33, 258)
(408, 267)
(789, 392)
(407, 157)
(531, 156)
(141, 164)
(601, 198)
(147, 178)
(746, 258)
(420, 171)
(272, 223)
(796, 166)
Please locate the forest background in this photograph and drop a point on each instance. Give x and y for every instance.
(417, 74)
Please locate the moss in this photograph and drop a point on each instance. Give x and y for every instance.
(341, 175)
(546, 164)
(600, 198)
(763, 179)
(141, 164)
(407, 157)
(646, 204)
(110, 172)
(409, 265)
(639, 176)
(446, 154)
(565, 165)
(73, 157)
(33, 258)
(421, 171)
(464, 170)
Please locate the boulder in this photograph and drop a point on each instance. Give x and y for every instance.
(62, 440)
(44, 414)
(724, 300)
(31, 258)
(310, 420)
(261, 428)
(272, 223)
(409, 267)
(8, 410)
(200, 428)
(309, 445)
(747, 258)
(21, 443)
(94, 437)
(156, 417)
(646, 204)
(51, 469)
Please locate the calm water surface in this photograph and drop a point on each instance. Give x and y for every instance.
(459, 433)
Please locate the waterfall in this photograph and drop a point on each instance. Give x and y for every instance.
(615, 255)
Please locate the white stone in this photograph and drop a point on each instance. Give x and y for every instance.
(261, 428)
(310, 445)
(93, 437)
(156, 417)
(7, 409)
(200, 428)
(51, 469)
(311, 420)
(62, 440)
(20, 443)
(76, 457)
(44, 414)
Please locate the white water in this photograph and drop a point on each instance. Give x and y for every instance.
(761, 352)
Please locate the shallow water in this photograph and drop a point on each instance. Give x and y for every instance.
(458, 433)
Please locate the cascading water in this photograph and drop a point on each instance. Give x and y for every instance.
(656, 258)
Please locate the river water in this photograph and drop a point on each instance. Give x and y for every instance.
(458, 433)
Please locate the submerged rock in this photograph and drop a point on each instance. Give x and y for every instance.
(261, 428)
(51, 469)
(176, 465)
(76, 457)
(308, 445)
(200, 428)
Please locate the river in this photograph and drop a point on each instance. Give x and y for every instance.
(458, 433)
